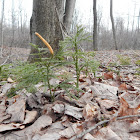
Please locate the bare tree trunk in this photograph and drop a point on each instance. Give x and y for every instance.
(113, 27)
(2, 18)
(99, 19)
(44, 20)
(128, 24)
(13, 26)
(21, 15)
(136, 35)
(139, 22)
(95, 26)
(133, 18)
(60, 5)
(69, 10)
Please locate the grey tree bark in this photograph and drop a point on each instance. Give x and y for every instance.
(13, 25)
(139, 22)
(1, 31)
(133, 22)
(113, 27)
(95, 26)
(69, 10)
(45, 21)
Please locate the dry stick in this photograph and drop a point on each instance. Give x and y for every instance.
(5, 61)
(62, 27)
(59, 22)
(136, 98)
(100, 123)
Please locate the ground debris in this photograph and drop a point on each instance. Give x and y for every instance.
(108, 107)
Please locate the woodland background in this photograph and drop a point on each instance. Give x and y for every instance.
(15, 31)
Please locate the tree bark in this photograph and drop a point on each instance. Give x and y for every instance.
(95, 26)
(45, 21)
(2, 18)
(113, 27)
(139, 22)
(69, 10)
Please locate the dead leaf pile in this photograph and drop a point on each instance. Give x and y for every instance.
(107, 108)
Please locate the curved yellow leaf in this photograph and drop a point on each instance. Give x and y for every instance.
(45, 42)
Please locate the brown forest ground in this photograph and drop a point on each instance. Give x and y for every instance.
(105, 57)
(103, 100)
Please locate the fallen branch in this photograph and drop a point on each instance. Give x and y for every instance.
(98, 124)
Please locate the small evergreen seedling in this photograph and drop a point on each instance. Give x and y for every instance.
(80, 59)
(47, 65)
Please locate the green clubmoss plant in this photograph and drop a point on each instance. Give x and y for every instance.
(124, 60)
(80, 60)
(137, 62)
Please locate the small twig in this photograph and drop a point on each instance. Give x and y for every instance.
(98, 124)
(62, 27)
(5, 61)
(136, 98)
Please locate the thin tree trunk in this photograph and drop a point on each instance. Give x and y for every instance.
(128, 24)
(112, 21)
(69, 10)
(2, 18)
(139, 22)
(13, 26)
(95, 26)
(133, 19)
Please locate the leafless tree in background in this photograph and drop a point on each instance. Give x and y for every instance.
(134, 17)
(20, 16)
(139, 22)
(69, 10)
(75, 20)
(135, 35)
(1, 27)
(128, 22)
(121, 34)
(13, 32)
(95, 26)
(17, 27)
(99, 18)
(113, 26)
(13, 24)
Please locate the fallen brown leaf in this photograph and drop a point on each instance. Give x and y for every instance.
(123, 86)
(108, 75)
(82, 80)
(106, 133)
(30, 116)
(125, 110)
(17, 110)
(73, 111)
(72, 130)
(10, 126)
(88, 136)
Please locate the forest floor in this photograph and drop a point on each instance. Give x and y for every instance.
(102, 56)
(105, 57)
(108, 107)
